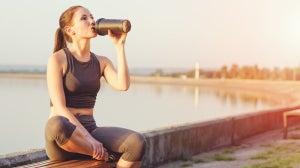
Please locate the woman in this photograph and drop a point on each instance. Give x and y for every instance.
(73, 79)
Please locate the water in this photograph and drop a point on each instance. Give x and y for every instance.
(25, 108)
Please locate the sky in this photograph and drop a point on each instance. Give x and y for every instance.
(164, 34)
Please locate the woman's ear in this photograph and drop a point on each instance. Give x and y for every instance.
(69, 30)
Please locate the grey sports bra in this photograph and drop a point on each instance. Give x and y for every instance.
(81, 82)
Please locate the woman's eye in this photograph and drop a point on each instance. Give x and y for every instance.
(83, 18)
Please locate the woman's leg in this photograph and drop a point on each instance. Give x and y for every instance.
(127, 164)
(63, 140)
(130, 144)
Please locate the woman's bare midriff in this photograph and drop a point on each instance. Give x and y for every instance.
(74, 111)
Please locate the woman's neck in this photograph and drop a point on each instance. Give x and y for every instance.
(81, 50)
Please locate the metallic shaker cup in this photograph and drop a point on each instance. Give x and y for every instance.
(117, 26)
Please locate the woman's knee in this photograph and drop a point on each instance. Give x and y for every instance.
(59, 129)
(136, 147)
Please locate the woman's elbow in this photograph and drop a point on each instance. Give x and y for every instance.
(124, 86)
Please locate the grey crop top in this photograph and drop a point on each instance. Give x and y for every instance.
(81, 82)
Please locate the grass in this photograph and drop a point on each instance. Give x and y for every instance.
(279, 156)
(188, 161)
(186, 158)
(224, 155)
(186, 165)
(200, 161)
(284, 155)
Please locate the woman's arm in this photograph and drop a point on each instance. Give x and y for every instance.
(55, 88)
(120, 78)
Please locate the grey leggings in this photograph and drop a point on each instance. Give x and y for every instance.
(120, 142)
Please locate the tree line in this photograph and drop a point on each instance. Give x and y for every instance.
(240, 72)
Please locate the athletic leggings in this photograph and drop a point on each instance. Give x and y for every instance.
(120, 142)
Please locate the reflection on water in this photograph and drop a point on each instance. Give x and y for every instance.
(25, 108)
(238, 97)
(196, 97)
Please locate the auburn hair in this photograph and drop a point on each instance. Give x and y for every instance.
(61, 38)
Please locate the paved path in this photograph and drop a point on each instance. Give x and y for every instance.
(240, 156)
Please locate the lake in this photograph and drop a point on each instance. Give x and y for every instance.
(144, 107)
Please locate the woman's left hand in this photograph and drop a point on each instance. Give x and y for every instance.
(118, 39)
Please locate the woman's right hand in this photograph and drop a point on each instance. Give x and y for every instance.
(99, 152)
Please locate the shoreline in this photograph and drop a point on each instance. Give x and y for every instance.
(22, 75)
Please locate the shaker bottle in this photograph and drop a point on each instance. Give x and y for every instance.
(117, 26)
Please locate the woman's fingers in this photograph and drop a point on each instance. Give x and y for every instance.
(100, 153)
(117, 38)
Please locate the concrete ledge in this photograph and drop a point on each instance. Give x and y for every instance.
(175, 143)
(184, 141)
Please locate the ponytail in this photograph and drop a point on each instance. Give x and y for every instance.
(61, 38)
(59, 41)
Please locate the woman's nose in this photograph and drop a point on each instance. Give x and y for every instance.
(92, 21)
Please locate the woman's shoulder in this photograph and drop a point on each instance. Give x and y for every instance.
(58, 56)
(102, 59)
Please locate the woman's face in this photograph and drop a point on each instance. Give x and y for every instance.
(83, 24)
